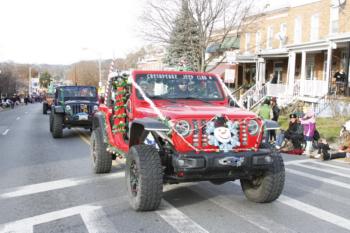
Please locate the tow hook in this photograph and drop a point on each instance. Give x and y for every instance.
(232, 161)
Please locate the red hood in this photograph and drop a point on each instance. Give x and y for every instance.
(184, 110)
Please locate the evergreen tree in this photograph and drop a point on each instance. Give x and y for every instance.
(45, 79)
(183, 50)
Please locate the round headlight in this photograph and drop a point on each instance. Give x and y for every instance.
(95, 108)
(183, 128)
(253, 127)
(68, 108)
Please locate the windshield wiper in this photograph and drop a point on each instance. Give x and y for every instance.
(194, 98)
(157, 97)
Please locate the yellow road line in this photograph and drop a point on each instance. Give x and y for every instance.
(87, 141)
(83, 136)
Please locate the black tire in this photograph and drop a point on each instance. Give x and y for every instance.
(57, 126)
(267, 186)
(144, 178)
(101, 159)
(51, 121)
(45, 107)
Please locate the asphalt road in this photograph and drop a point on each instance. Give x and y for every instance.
(47, 185)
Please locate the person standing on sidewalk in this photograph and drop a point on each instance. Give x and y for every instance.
(275, 115)
(309, 124)
(265, 112)
(340, 78)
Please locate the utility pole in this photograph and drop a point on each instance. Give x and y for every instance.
(75, 75)
(30, 81)
(99, 71)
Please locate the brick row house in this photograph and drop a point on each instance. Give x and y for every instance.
(294, 51)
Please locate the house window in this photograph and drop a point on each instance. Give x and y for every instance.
(343, 57)
(277, 73)
(282, 36)
(257, 41)
(247, 42)
(325, 65)
(314, 27)
(297, 30)
(269, 37)
(334, 19)
(310, 67)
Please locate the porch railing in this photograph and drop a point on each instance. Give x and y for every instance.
(313, 88)
(276, 90)
(253, 96)
(324, 102)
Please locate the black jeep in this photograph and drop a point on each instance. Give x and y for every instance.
(73, 106)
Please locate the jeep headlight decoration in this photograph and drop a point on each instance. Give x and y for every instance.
(68, 108)
(95, 108)
(183, 128)
(253, 127)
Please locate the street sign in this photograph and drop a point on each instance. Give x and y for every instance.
(230, 75)
(231, 57)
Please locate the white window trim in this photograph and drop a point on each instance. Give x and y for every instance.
(315, 33)
(331, 20)
(257, 41)
(298, 30)
(283, 34)
(269, 41)
(247, 41)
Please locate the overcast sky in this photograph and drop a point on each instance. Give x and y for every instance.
(57, 31)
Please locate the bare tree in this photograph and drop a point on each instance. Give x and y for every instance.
(84, 73)
(217, 20)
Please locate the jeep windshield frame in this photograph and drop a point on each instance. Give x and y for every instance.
(88, 93)
(187, 87)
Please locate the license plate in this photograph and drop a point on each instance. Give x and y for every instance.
(83, 117)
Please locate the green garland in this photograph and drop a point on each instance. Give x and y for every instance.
(110, 148)
(119, 116)
(120, 104)
(118, 107)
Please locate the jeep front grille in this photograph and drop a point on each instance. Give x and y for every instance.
(78, 108)
(202, 137)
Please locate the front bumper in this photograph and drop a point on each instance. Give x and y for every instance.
(220, 166)
(74, 121)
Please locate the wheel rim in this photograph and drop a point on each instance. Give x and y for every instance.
(134, 178)
(256, 181)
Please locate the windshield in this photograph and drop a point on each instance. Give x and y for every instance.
(76, 92)
(179, 86)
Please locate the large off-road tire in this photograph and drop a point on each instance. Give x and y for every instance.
(144, 177)
(101, 159)
(51, 122)
(57, 126)
(45, 107)
(267, 186)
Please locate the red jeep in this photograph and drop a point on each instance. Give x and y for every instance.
(175, 127)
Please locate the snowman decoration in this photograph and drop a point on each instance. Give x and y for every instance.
(225, 137)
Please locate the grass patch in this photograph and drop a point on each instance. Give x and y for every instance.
(328, 127)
